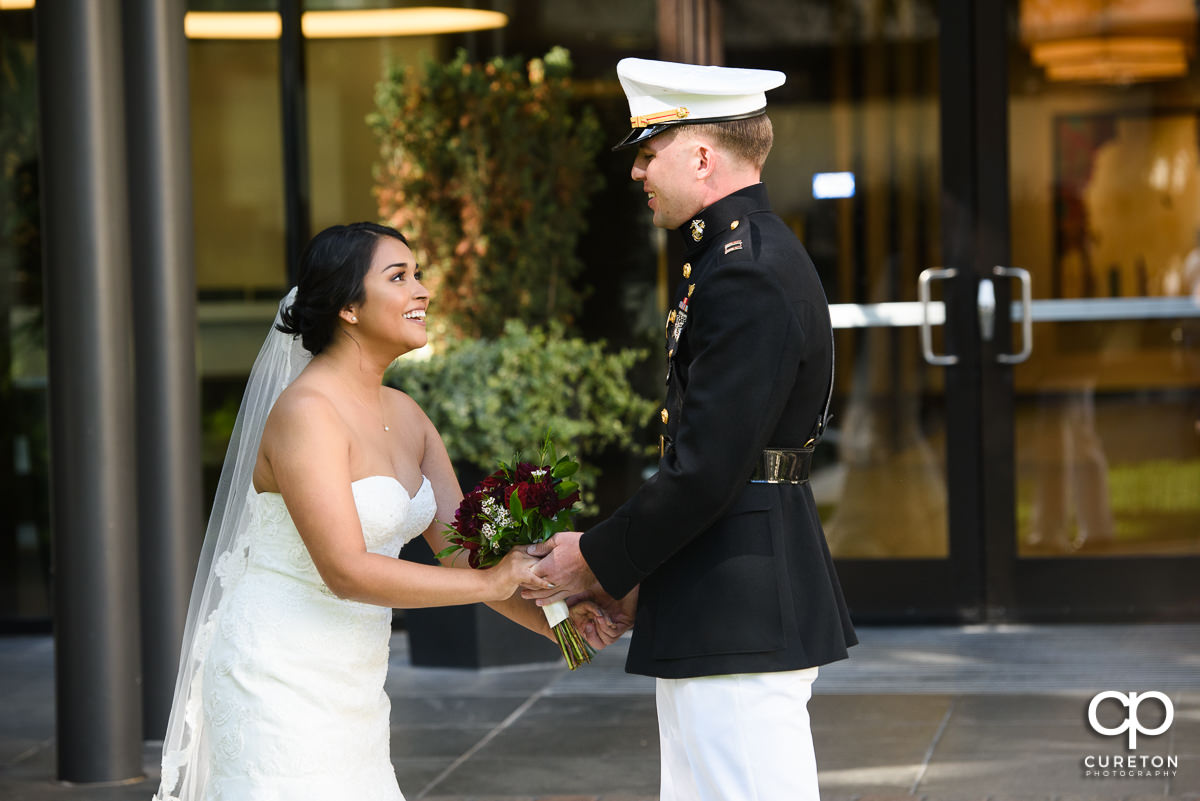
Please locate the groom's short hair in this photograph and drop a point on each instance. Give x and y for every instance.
(748, 139)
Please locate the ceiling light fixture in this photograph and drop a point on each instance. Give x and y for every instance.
(351, 24)
(1109, 41)
(346, 24)
(1116, 59)
(232, 24)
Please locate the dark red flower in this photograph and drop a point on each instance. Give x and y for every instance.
(466, 517)
(543, 496)
(528, 492)
(524, 471)
(568, 502)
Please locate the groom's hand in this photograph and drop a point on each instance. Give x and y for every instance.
(594, 623)
(563, 566)
(604, 619)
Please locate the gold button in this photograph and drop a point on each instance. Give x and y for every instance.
(691, 289)
(687, 271)
(670, 355)
(665, 416)
(733, 225)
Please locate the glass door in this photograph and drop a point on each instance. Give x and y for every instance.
(1008, 229)
(1103, 160)
(859, 169)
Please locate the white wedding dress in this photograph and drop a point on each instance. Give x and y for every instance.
(293, 704)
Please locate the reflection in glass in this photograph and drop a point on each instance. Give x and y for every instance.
(1105, 177)
(25, 592)
(861, 101)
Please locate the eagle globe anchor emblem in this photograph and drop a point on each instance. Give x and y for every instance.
(697, 230)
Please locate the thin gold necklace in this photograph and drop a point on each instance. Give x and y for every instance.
(382, 419)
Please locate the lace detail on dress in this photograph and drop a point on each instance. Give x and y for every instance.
(288, 699)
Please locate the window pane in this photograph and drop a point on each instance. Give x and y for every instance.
(1105, 174)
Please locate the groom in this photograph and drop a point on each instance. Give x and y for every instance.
(737, 602)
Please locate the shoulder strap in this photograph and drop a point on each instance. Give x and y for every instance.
(824, 418)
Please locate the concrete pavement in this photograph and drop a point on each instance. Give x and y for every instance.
(934, 713)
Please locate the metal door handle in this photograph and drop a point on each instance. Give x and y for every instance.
(1026, 314)
(932, 274)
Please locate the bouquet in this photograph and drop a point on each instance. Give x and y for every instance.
(517, 505)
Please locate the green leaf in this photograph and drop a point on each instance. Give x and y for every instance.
(564, 469)
(442, 554)
(566, 488)
(514, 506)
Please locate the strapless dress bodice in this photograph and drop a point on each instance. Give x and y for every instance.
(389, 518)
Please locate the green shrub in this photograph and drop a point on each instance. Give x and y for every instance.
(491, 398)
(490, 169)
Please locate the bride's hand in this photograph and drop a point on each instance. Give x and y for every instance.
(594, 624)
(515, 570)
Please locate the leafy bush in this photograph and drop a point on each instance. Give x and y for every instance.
(490, 398)
(490, 169)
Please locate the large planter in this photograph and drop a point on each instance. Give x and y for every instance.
(472, 636)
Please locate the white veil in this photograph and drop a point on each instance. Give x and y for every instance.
(222, 561)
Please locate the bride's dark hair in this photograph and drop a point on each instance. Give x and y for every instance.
(332, 269)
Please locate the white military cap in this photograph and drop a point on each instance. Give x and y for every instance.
(663, 93)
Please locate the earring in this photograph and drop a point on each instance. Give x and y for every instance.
(353, 319)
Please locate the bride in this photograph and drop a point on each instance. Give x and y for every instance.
(280, 690)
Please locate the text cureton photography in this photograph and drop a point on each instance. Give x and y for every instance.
(1124, 712)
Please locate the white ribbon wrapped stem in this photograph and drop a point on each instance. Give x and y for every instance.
(556, 613)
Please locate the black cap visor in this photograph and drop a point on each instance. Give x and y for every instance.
(639, 135)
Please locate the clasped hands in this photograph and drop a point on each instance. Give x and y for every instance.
(598, 617)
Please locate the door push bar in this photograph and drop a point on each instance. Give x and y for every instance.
(986, 305)
(932, 274)
(1026, 316)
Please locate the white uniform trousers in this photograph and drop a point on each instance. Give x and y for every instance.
(743, 737)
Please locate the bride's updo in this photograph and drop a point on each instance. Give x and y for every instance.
(332, 269)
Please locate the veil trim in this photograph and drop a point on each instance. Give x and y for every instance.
(185, 763)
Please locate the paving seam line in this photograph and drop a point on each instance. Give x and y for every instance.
(932, 746)
(27, 753)
(487, 738)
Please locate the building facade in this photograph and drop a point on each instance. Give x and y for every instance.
(1002, 197)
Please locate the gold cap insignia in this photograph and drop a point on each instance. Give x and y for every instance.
(697, 230)
(670, 115)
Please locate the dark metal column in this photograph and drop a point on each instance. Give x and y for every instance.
(294, 117)
(690, 31)
(170, 517)
(85, 230)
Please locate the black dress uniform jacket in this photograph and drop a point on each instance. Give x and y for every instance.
(736, 577)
